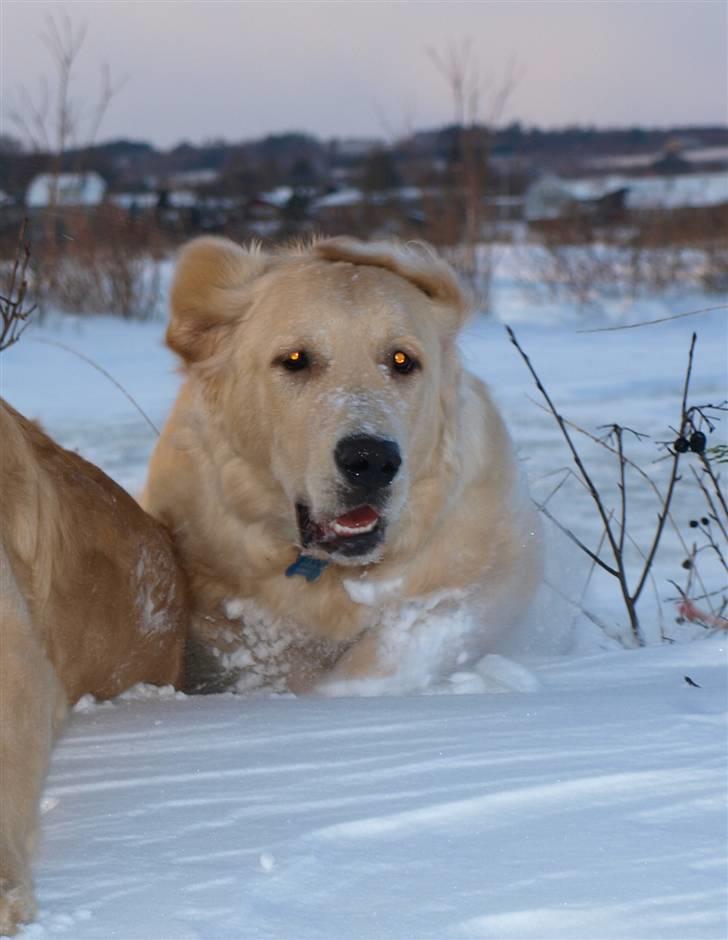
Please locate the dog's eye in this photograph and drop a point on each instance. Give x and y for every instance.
(295, 361)
(402, 363)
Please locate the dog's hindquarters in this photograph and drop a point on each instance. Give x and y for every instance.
(92, 601)
(32, 705)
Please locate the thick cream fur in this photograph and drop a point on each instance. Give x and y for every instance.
(246, 440)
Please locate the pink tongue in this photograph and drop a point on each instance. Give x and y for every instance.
(358, 518)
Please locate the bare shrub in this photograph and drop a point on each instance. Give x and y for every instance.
(106, 264)
(580, 260)
(15, 311)
(688, 437)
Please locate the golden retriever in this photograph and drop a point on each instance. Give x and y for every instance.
(344, 495)
(92, 600)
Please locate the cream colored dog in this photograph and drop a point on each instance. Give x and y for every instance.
(92, 600)
(344, 495)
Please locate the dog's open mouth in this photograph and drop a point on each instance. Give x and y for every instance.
(356, 532)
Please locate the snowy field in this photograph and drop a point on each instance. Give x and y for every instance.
(587, 800)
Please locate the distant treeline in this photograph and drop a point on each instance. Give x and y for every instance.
(299, 159)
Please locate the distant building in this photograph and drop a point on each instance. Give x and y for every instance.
(276, 198)
(340, 198)
(700, 159)
(193, 178)
(671, 163)
(355, 148)
(65, 189)
(135, 202)
(553, 197)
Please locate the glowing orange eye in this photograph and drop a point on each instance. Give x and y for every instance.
(295, 361)
(402, 363)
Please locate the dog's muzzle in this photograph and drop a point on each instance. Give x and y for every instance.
(367, 466)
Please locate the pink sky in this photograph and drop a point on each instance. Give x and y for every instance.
(199, 70)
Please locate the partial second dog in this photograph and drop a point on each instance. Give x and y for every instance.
(92, 600)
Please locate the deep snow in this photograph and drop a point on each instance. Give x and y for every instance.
(587, 801)
(591, 808)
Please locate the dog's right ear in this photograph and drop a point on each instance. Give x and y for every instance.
(209, 294)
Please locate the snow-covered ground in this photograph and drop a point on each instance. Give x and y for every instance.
(588, 800)
(591, 807)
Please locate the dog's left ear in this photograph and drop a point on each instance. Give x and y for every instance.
(209, 294)
(416, 262)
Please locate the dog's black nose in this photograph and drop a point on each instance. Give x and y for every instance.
(367, 463)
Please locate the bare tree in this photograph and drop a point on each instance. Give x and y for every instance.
(478, 105)
(56, 120)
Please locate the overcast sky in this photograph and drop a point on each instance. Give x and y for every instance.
(199, 69)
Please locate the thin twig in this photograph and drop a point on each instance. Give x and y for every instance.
(634, 326)
(716, 485)
(620, 572)
(568, 473)
(14, 315)
(95, 365)
(662, 516)
(645, 476)
(587, 613)
(622, 487)
(592, 568)
(569, 534)
(711, 504)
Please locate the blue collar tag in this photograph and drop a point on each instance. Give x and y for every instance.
(308, 567)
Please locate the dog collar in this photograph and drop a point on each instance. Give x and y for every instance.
(307, 567)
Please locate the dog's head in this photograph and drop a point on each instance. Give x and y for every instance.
(328, 369)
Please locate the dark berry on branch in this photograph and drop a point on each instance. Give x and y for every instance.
(705, 520)
(682, 445)
(693, 523)
(697, 442)
(687, 564)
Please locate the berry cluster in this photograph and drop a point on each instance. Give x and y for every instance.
(696, 443)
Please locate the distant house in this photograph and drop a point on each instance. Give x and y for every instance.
(553, 197)
(339, 211)
(65, 189)
(700, 159)
(340, 198)
(277, 198)
(194, 178)
(396, 211)
(355, 148)
(671, 163)
(135, 202)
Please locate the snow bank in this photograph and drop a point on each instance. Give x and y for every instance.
(592, 806)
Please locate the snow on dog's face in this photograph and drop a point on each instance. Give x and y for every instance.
(328, 369)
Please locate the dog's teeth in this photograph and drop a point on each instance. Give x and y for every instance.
(345, 530)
